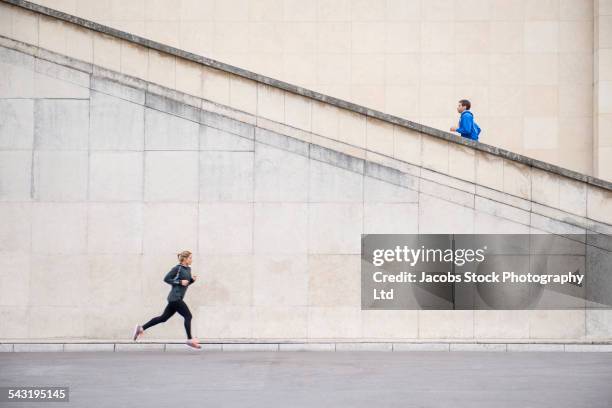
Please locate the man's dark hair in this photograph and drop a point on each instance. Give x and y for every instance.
(466, 103)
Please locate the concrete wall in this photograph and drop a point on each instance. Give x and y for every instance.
(104, 177)
(527, 65)
(602, 147)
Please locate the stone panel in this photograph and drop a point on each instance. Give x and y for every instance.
(446, 324)
(215, 139)
(16, 124)
(243, 94)
(329, 183)
(219, 322)
(280, 176)
(171, 176)
(226, 176)
(335, 228)
(557, 324)
(54, 233)
(390, 324)
(41, 326)
(15, 235)
(115, 228)
(15, 322)
(54, 281)
(116, 176)
(379, 191)
(437, 216)
(170, 227)
(115, 124)
(228, 280)
(15, 175)
(60, 175)
(599, 204)
(280, 280)
(104, 272)
(61, 124)
(15, 279)
(281, 228)
(334, 280)
(501, 324)
(390, 218)
(226, 228)
(271, 322)
(169, 132)
(334, 322)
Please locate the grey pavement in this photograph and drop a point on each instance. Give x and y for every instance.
(316, 379)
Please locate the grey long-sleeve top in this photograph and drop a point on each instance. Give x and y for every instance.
(174, 278)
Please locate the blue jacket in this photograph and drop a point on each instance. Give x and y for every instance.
(467, 127)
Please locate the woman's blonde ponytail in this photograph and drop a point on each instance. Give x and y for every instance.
(183, 255)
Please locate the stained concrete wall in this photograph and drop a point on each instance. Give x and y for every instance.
(602, 146)
(103, 178)
(526, 64)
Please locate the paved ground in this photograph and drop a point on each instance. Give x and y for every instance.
(317, 379)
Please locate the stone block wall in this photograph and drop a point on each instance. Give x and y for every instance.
(526, 64)
(105, 177)
(602, 146)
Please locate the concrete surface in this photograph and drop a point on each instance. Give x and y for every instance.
(274, 214)
(327, 345)
(317, 379)
(174, 65)
(406, 58)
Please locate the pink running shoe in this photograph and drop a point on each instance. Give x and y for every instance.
(194, 343)
(138, 330)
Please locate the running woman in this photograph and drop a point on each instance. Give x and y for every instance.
(179, 278)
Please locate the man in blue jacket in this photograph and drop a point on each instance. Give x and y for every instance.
(467, 127)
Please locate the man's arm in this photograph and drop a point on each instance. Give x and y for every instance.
(465, 124)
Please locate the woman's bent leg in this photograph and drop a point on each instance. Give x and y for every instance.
(184, 311)
(168, 312)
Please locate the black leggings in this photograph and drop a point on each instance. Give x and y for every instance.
(172, 307)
